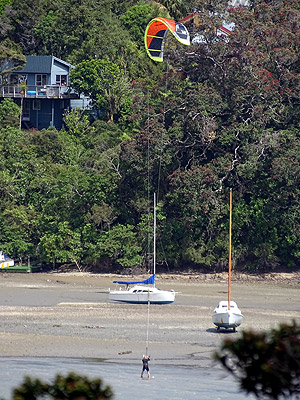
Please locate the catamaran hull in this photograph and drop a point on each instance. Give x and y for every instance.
(228, 320)
(163, 297)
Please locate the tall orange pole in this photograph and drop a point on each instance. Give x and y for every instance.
(229, 263)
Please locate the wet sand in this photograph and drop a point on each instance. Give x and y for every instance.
(69, 315)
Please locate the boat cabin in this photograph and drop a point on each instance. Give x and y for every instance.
(224, 305)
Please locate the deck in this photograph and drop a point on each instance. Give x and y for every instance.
(38, 92)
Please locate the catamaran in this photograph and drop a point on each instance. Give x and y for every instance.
(227, 314)
(143, 292)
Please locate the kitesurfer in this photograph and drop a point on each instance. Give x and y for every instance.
(145, 361)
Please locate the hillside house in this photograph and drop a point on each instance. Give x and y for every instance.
(42, 87)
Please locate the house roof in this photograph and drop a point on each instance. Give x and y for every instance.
(40, 64)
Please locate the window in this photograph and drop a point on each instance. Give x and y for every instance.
(61, 80)
(41, 79)
(36, 105)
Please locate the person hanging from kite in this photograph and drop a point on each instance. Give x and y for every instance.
(145, 361)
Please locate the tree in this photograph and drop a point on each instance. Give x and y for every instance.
(10, 113)
(266, 364)
(121, 245)
(136, 18)
(3, 4)
(17, 225)
(71, 386)
(11, 57)
(66, 28)
(18, 23)
(105, 83)
(48, 40)
(61, 245)
(77, 123)
(177, 8)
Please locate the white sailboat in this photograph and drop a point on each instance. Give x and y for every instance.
(227, 314)
(141, 292)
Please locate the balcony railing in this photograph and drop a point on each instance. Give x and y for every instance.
(47, 91)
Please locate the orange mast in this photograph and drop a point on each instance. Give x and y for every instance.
(229, 263)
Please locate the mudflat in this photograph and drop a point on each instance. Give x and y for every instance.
(69, 315)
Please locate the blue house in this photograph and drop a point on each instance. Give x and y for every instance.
(42, 88)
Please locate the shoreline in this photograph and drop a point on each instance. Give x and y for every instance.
(292, 277)
(189, 274)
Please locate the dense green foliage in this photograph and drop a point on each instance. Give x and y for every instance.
(71, 386)
(105, 83)
(266, 364)
(223, 113)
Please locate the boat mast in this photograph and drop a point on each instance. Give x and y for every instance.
(154, 238)
(229, 261)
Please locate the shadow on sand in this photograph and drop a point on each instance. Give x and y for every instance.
(220, 331)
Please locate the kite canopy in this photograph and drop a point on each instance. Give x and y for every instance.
(155, 36)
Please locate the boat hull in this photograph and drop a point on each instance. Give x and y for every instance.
(227, 320)
(225, 317)
(136, 296)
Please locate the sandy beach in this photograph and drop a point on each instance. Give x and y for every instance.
(69, 315)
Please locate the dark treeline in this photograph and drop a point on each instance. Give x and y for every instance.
(220, 114)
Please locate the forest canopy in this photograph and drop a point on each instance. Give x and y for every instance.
(222, 113)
